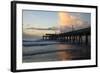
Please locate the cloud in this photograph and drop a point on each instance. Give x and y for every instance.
(66, 21)
(50, 28)
(32, 32)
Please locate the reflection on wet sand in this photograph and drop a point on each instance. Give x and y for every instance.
(73, 52)
(63, 55)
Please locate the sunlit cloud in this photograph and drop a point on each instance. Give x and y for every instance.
(66, 21)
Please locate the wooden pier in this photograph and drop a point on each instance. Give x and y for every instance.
(81, 35)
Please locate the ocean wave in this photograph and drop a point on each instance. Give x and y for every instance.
(29, 43)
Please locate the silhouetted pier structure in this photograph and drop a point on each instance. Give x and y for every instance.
(72, 36)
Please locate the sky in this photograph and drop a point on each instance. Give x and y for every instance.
(40, 18)
(42, 22)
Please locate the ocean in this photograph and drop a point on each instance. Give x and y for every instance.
(38, 50)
